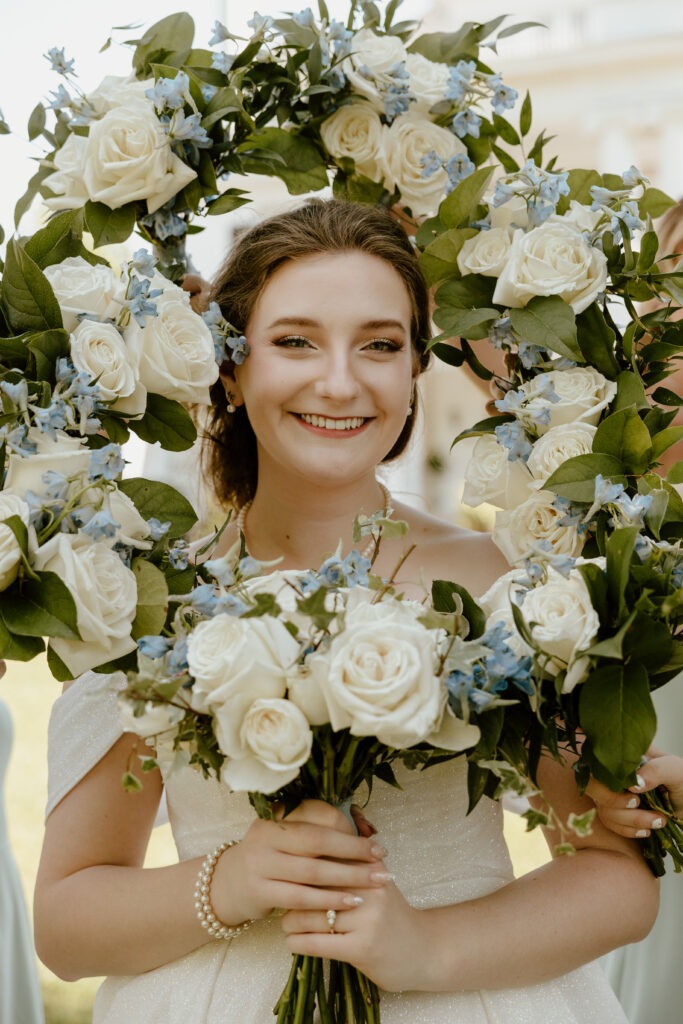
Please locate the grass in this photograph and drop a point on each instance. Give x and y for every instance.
(30, 690)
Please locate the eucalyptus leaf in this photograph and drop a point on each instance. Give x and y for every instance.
(36, 122)
(152, 604)
(525, 115)
(654, 202)
(27, 296)
(171, 34)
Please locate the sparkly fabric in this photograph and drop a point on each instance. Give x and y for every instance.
(438, 853)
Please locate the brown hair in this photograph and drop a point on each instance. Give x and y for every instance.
(230, 453)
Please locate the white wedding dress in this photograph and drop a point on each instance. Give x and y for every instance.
(438, 854)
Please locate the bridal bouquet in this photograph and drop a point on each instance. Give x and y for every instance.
(298, 685)
(388, 114)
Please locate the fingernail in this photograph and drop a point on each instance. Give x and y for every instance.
(633, 802)
(382, 876)
(378, 851)
(353, 901)
(642, 833)
(640, 783)
(657, 823)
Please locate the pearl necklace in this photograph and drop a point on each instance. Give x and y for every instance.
(241, 519)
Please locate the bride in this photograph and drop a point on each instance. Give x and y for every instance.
(335, 311)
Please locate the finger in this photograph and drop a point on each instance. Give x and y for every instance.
(300, 921)
(604, 797)
(305, 898)
(662, 770)
(302, 839)
(631, 824)
(317, 812)
(328, 874)
(365, 827)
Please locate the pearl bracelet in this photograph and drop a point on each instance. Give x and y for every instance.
(202, 897)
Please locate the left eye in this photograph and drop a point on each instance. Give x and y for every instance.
(383, 345)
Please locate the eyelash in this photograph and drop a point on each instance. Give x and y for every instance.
(387, 345)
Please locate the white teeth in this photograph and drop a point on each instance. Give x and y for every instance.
(351, 423)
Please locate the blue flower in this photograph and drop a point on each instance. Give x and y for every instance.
(430, 164)
(632, 511)
(501, 334)
(153, 646)
(305, 18)
(512, 402)
(458, 168)
(17, 393)
(178, 555)
(504, 98)
(18, 440)
(52, 419)
(157, 529)
(165, 224)
(58, 61)
(309, 584)
(229, 604)
(248, 566)
(222, 62)
(144, 263)
(221, 570)
(531, 355)
(239, 348)
(61, 98)
(332, 572)
(466, 123)
(356, 568)
(170, 92)
(204, 598)
(56, 485)
(106, 462)
(513, 437)
(220, 34)
(260, 23)
(633, 177)
(208, 92)
(459, 80)
(138, 299)
(101, 526)
(177, 659)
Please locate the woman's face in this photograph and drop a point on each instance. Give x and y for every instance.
(328, 380)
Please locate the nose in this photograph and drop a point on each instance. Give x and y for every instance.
(338, 380)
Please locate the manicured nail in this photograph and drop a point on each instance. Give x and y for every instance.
(640, 783)
(378, 851)
(633, 802)
(382, 876)
(657, 823)
(353, 901)
(642, 833)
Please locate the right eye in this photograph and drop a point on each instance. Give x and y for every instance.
(292, 341)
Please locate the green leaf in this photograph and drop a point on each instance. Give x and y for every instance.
(450, 354)
(152, 605)
(461, 203)
(438, 261)
(662, 441)
(296, 161)
(18, 648)
(442, 599)
(630, 391)
(466, 323)
(59, 670)
(46, 608)
(654, 202)
(619, 550)
(172, 34)
(575, 479)
(167, 422)
(506, 131)
(618, 716)
(580, 182)
(548, 321)
(596, 341)
(649, 245)
(227, 202)
(525, 115)
(31, 192)
(36, 122)
(161, 501)
(18, 527)
(46, 348)
(624, 436)
(26, 293)
(471, 292)
(61, 237)
(486, 426)
(107, 226)
(508, 163)
(675, 474)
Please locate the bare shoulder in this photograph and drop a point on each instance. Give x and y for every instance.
(446, 551)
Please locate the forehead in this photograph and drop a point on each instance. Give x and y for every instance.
(351, 281)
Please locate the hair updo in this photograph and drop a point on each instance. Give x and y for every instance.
(318, 227)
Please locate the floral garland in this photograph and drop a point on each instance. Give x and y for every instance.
(542, 264)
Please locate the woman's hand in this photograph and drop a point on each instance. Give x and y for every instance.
(384, 937)
(200, 291)
(622, 813)
(311, 860)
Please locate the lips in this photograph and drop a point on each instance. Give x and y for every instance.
(326, 423)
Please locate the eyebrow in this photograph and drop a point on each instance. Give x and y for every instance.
(304, 321)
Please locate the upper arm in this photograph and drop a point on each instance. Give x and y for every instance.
(98, 822)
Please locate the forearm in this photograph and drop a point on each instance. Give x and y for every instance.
(541, 925)
(109, 919)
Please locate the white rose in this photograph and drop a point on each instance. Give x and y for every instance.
(80, 287)
(553, 259)
(10, 552)
(174, 351)
(378, 678)
(128, 156)
(274, 741)
(66, 183)
(517, 532)
(497, 602)
(565, 623)
(486, 253)
(117, 90)
(154, 720)
(356, 131)
(378, 55)
(133, 530)
(408, 141)
(512, 214)
(582, 396)
(582, 217)
(105, 594)
(428, 81)
(98, 350)
(491, 477)
(229, 656)
(66, 455)
(557, 445)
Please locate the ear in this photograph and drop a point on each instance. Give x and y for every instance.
(232, 389)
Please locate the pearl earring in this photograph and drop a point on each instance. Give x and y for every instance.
(410, 403)
(230, 406)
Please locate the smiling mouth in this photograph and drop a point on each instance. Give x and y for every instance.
(325, 423)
